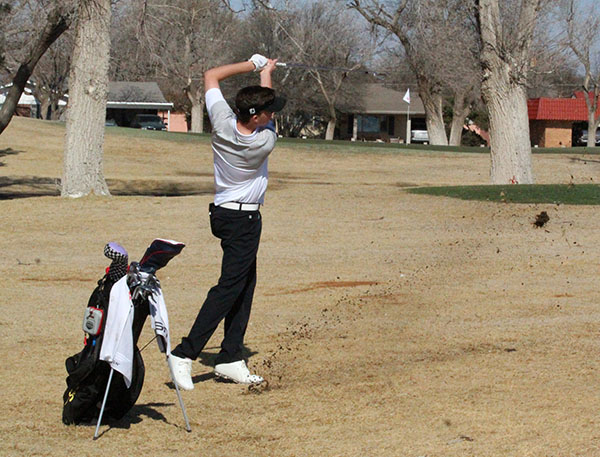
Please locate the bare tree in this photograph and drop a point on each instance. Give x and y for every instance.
(435, 35)
(57, 21)
(51, 77)
(6, 8)
(553, 72)
(88, 91)
(582, 38)
(324, 37)
(195, 35)
(327, 39)
(506, 35)
(130, 59)
(269, 28)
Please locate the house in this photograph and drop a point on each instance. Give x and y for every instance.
(381, 113)
(555, 122)
(28, 105)
(126, 99)
(176, 122)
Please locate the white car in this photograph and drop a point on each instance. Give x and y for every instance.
(584, 137)
(419, 136)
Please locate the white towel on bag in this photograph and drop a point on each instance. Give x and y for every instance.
(117, 344)
(160, 320)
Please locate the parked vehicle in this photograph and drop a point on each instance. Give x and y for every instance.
(148, 122)
(419, 136)
(583, 139)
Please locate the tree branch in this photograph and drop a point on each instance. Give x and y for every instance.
(58, 20)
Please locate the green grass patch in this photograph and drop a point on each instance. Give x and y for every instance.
(575, 150)
(177, 137)
(566, 194)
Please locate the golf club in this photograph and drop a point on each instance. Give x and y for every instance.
(325, 68)
(310, 67)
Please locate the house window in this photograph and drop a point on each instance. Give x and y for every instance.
(391, 126)
(368, 124)
(384, 124)
(350, 124)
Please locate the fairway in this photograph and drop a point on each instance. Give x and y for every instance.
(386, 323)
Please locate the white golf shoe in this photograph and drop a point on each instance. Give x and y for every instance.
(237, 372)
(182, 372)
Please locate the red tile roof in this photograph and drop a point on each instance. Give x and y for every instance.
(558, 109)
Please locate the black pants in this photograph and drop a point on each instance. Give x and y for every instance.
(231, 298)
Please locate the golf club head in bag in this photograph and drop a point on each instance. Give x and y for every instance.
(120, 259)
(158, 254)
(145, 287)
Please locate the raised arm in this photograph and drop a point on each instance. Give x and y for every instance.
(213, 76)
(265, 73)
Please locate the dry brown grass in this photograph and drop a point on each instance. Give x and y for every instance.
(387, 324)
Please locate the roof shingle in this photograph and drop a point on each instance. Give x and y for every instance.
(557, 109)
(378, 99)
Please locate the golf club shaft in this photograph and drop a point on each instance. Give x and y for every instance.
(185, 417)
(310, 67)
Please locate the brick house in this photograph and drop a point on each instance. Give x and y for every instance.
(555, 122)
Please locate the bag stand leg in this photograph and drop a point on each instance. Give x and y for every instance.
(103, 403)
(112, 370)
(185, 417)
(187, 422)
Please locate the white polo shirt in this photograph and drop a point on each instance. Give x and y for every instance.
(240, 161)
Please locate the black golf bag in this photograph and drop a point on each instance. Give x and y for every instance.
(88, 375)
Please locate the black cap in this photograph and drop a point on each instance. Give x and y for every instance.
(273, 106)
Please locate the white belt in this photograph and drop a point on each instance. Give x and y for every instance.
(240, 206)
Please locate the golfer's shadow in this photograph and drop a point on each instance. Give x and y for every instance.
(208, 360)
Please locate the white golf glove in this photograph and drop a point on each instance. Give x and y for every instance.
(259, 62)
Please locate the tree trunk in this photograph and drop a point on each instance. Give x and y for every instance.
(44, 103)
(88, 90)
(504, 62)
(460, 110)
(592, 99)
(456, 129)
(330, 128)
(198, 116)
(57, 22)
(54, 109)
(196, 98)
(509, 132)
(591, 140)
(434, 117)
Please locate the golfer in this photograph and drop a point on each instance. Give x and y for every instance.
(242, 140)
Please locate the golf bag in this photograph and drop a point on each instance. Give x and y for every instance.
(88, 375)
